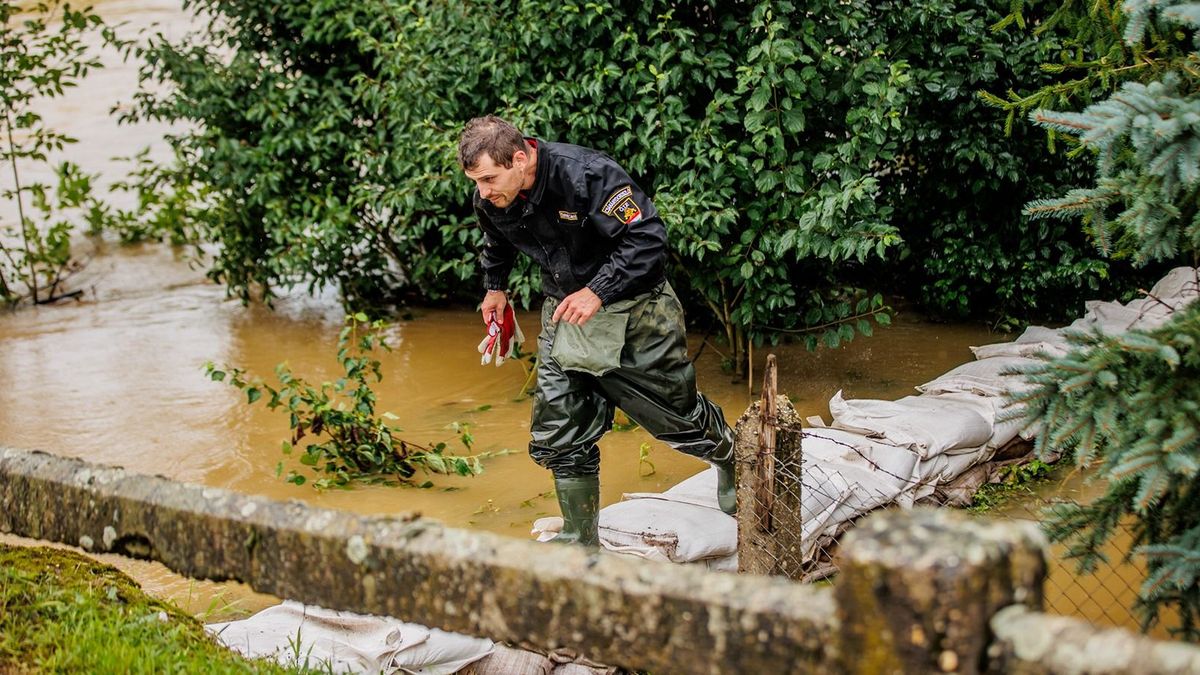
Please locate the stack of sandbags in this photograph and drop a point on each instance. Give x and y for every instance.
(947, 433)
(843, 475)
(322, 639)
(325, 640)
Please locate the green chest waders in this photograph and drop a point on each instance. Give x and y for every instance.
(634, 358)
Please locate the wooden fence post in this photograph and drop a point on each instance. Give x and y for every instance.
(767, 450)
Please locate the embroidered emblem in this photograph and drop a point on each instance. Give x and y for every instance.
(568, 215)
(627, 211)
(614, 200)
(620, 205)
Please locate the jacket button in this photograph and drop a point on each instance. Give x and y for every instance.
(555, 276)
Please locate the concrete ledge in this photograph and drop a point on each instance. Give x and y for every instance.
(634, 613)
(1032, 642)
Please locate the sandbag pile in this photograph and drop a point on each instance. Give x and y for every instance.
(326, 640)
(313, 637)
(874, 452)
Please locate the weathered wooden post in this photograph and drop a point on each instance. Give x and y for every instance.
(767, 450)
(918, 588)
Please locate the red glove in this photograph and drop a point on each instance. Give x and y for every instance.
(502, 339)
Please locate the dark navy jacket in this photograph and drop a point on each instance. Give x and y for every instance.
(585, 222)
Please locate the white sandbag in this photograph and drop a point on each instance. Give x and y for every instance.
(1027, 350)
(927, 425)
(1034, 334)
(1153, 312)
(700, 489)
(995, 410)
(1113, 318)
(660, 527)
(874, 464)
(679, 531)
(1179, 282)
(295, 634)
(443, 653)
(931, 473)
(984, 378)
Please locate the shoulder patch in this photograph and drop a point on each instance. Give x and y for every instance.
(614, 200)
(620, 205)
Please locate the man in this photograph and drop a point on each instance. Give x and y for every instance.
(612, 328)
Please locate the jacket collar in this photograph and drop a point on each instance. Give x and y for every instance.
(541, 177)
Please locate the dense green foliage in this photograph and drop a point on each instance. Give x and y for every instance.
(1146, 137)
(43, 51)
(1129, 404)
(349, 441)
(62, 612)
(804, 156)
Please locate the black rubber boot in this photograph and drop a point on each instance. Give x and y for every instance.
(579, 499)
(726, 479)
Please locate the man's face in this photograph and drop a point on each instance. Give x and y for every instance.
(497, 184)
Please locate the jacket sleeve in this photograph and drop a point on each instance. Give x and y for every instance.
(497, 255)
(619, 210)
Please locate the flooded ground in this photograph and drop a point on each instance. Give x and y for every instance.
(1107, 595)
(117, 377)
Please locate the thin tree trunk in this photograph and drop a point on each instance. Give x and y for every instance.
(12, 155)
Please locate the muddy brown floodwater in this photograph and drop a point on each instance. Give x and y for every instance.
(117, 378)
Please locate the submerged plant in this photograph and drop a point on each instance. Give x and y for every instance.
(645, 466)
(349, 441)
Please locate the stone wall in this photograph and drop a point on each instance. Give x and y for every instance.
(613, 609)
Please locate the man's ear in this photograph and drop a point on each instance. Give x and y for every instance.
(520, 156)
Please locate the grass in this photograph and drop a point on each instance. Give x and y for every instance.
(61, 611)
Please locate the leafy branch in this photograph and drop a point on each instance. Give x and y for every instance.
(350, 442)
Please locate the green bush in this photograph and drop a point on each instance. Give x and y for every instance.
(44, 50)
(804, 156)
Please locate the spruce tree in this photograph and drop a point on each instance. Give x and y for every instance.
(1129, 404)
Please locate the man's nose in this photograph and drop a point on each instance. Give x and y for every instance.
(484, 191)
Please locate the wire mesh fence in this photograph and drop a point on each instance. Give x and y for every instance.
(801, 488)
(1106, 595)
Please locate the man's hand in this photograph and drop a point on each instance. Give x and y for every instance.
(493, 305)
(578, 307)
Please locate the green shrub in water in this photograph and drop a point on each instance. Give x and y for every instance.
(349, 441)
(44, 50)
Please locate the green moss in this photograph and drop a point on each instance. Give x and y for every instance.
(64, 612)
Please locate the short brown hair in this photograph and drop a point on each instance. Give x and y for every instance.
(490, 134)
